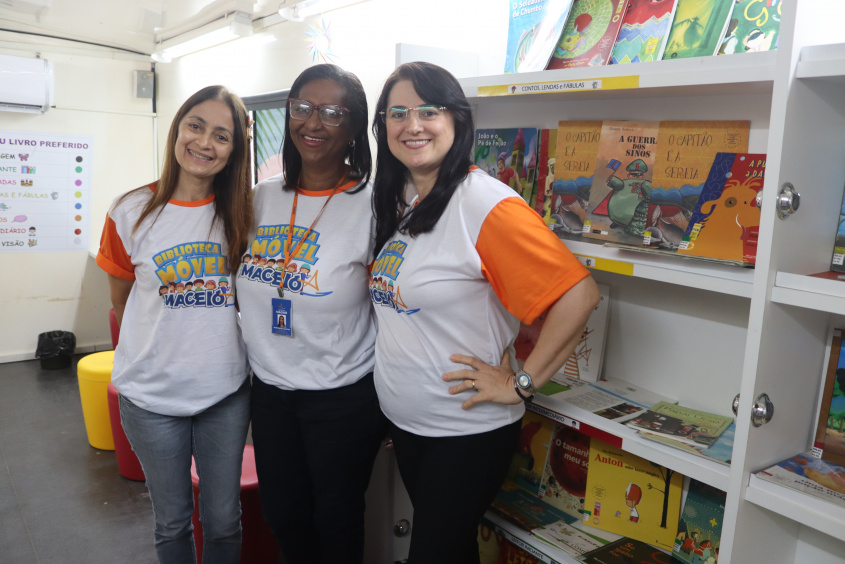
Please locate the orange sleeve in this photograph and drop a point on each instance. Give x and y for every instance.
(112, 256)
(527, 265)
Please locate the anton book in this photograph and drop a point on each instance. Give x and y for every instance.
(700, 526)
(621, 189)
(631, 496)
(589, 34)
(533, 32)
(681, 423)
(645, 28)
(509, 155)
(726, 221)
(698, 28)
(575, 161)
(829, 441)
(685, 154)
(753, 26)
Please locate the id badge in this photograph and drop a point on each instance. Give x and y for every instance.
(281, 324)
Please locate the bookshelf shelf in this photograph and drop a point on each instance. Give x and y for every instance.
(826, 62)
(527, 542)
(818, 514)
(809, 292)
(624, 437)
(751, 73)
(691, 273)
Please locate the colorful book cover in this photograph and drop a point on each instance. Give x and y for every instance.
(627, 551)
(726, 221)
(589, 34)
(533, 33)
(644, 31)
(612, 399)
(567, 538)
(829, 441)
(805, 473)
(685, 153)
(586, 361)
(509, 155)
(837, 263)
(754, 26)
(700, 525)
(525, 510)
(532, 450)
(697, 28)
(575, 161)
(565, 474)
(632, 496)
(509, 553)
(621, 188)
(545, 174)
(721, 451)
(682, 424)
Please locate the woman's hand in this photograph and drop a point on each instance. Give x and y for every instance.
(484, 382)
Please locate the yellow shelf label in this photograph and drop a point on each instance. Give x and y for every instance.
(586, 84)
(607, 265)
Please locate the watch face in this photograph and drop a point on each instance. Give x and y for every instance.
(523, 380)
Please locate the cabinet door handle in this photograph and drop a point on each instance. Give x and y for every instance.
(402, 528)
(788, 200)
(762, 410)
(735, 405)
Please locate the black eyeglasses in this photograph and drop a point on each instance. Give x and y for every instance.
(329, 114)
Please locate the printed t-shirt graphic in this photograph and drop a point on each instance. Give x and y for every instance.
(383, 287)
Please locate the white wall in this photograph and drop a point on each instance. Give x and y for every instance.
(45, 291)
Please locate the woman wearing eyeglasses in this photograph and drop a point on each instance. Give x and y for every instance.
(309, 328)
(466, 260)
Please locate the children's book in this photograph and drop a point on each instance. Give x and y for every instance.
(697, 28)
(532, 450)
(567, 538)
(575, 161)
(610, 398)
(754, 26)
(682, 424)
(829, 441)
(565, 474)
(837, 263)
(533, 32)
(807, 474)
(621, 188)
(726, 221)
(488, 544)
(509, 553)
(545, 174)
(589, 34)
(627, 551)
(685, 153)
(645, 28)
(721, 451)
(700, 525)
(525, 510)
(585, 363)
(509, 155)
(631, 496)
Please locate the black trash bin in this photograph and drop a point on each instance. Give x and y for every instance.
(55, 349)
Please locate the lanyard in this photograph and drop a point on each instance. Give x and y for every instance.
(289, 254)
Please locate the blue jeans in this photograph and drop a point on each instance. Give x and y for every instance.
(164, 445)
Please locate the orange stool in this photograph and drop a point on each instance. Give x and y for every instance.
(258, 545)
(94, 374)
(127, 463)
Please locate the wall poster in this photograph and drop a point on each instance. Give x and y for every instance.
(45, 191)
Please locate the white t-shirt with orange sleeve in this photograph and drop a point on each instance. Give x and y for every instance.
(489, 263)
(331, 317)
(180, 349)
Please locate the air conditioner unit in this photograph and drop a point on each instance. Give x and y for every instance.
(26, 85)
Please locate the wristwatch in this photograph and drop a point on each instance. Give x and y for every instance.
(523, 385)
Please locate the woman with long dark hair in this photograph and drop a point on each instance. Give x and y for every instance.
(180, 366)
(461, 260)
(309, 326)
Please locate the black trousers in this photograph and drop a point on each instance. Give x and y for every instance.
(314, 453)
(451, 482)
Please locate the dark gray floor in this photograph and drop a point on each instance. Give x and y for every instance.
(61, 500)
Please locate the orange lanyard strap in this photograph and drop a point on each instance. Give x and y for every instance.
(289, 254)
